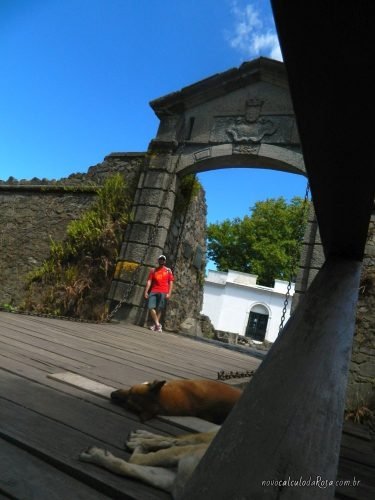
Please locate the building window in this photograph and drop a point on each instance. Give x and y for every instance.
(257, 324)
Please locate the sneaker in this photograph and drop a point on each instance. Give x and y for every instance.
(158, 328)
(153, 328)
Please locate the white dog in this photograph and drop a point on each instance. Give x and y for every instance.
(161, 461)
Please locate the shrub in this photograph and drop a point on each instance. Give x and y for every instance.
(75, 279)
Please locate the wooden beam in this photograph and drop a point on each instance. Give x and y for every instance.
(287, 426)
(329, 54)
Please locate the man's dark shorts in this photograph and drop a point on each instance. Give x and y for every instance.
(157, 300)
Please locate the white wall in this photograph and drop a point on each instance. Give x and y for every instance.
(229, 297)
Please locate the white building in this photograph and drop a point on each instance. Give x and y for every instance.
(235, 303)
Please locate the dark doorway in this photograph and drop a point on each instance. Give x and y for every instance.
(257, 326)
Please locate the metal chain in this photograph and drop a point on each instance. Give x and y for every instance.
(150, 241)
(294, 259)
(224, 375)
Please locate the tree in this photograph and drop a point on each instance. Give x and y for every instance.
(266, 243)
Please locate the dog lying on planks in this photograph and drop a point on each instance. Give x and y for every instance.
(160, 461)
(207, 399)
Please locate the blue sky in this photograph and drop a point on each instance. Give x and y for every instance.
(78, 75)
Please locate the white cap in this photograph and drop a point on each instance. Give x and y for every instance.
(162, 257)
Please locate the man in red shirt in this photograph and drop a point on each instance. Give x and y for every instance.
(158, 289)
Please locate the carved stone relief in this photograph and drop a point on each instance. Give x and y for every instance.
(252, 127)
(267, 129)
(245, 149)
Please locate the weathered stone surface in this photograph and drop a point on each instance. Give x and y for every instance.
(191, 326)
(157, 197)
(312, 234)
(151, 215)
(32, 212)
(28, 222)
(314, 254)
(160, 157)
(187, 296)
(284, 155)
(206, 326)
(120, 290)
(131, 272)
(141, 233)
(361, 381)
(141, 253)
(158, 180)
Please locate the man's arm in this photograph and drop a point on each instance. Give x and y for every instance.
(147, 289)
(168, 296)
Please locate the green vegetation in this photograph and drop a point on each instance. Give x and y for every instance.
(75, 279)
(188, 188)
(265, 243)
(7, 308)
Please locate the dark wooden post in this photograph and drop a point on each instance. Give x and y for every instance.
(287, 426)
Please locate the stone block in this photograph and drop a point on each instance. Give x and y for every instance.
(167, 128)
(187, 250)
(126, 270)
(191, 326)
(159, 149)
(294, 139)
(129, 314)
(308, 276)
(134, 295)
(367, 369)
(129, 272)
(133, 252)
(198, 258)
(160, 162)
(312, 257)
(312, 234)
(141, 233)
(152, 215)
(287, 156)
(221, 150)
(312, 275)
(159, 180)
(157, 198)
(246, 149)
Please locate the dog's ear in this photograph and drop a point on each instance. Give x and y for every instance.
(156, 385)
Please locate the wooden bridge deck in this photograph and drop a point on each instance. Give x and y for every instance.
(44, 424)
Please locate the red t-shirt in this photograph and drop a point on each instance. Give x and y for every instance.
(160, 279)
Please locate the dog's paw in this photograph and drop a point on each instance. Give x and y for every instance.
(142, 445)
(94, 455)
(139, 439)
(141, 433)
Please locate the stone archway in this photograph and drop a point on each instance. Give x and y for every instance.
(240, 118)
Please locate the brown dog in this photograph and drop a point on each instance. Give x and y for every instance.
(206, 399)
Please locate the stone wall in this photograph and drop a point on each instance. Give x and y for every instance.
(186, 244)
(29, 218)
(32, 212)
(361, 382)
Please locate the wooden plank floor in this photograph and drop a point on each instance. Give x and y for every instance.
(44, 424)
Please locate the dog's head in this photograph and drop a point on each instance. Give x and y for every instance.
(142, 399)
